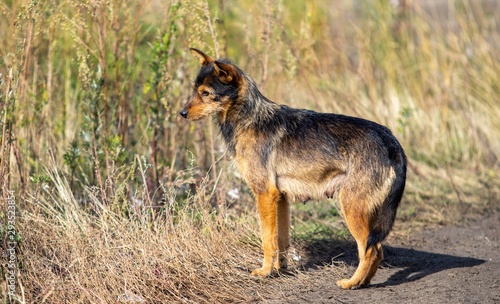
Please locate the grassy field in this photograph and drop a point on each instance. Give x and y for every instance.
(108, 195)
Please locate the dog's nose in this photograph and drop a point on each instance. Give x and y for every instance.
(184, 113)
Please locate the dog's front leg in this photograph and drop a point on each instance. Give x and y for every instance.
(281, 261)
(267, 204)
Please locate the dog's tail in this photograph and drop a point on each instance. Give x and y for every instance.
(387, 212)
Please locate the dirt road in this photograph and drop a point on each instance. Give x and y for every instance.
(446, 264)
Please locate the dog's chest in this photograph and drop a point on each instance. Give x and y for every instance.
(248, 161)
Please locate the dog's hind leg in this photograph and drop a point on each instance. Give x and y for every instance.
(357, 218)
(267, 204)
(374, 266)
(283, 232)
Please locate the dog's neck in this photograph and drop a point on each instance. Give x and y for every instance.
(251, 110)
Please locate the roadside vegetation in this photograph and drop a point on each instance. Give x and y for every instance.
(119, 199)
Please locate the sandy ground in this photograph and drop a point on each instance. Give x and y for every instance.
(445, 264)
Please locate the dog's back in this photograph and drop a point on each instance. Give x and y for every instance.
(329, 149)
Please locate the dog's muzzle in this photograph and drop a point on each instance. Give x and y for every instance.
(184, 113)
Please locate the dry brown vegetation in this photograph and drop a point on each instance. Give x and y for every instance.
(118, 199)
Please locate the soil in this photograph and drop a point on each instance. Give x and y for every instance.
(457, 263)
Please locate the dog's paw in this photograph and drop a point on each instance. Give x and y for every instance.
(347, 284)
(261, 272)
(281, 263)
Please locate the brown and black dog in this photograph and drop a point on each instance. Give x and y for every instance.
(288, 155)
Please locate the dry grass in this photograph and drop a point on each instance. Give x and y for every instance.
(93, 255)
(111, 207)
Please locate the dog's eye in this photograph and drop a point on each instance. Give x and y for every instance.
(205, 93)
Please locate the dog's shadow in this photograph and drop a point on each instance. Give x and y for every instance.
(409, 264)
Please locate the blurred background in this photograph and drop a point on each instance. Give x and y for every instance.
(94, 84)
(90, 93)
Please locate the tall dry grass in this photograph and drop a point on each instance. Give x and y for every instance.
(118, 199)
(94, 255)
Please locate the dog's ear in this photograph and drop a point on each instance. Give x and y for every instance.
(225, 72)
(203, 58)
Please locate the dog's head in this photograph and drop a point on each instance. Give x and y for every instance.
(216, 87)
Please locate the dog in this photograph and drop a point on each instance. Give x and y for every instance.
(287, 155)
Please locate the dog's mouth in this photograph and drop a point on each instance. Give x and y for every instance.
(185, 114)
